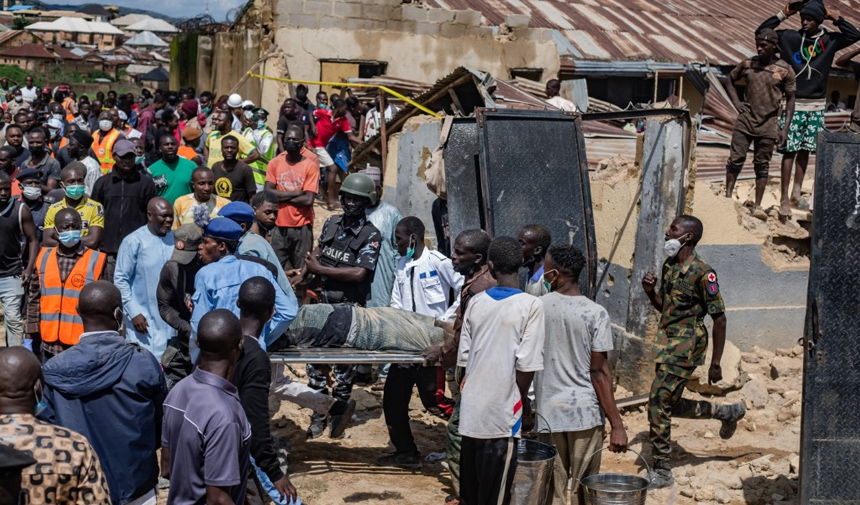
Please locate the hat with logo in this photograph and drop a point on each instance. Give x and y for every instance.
(186, 243)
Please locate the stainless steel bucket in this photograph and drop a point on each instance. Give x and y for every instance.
(614, 488)
(533, 476)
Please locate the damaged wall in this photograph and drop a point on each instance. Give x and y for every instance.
(224, 58)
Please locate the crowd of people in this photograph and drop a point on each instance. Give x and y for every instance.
(155, 249)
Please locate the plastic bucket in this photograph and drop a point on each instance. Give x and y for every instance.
(615, 488)
(533, 476)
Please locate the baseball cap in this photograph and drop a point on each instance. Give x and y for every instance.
(234, 101)
(186, 242)
(240, 212)
(192, 133)
(123, 147)
(768, 35)
(28, 173)
(225, 229)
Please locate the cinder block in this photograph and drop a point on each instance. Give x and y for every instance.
(316, 7)
(290, 5)
(471, 18)
(427, 29)
(303, 21)
(413, 13)
(400, 26)
(517, 20)
(359, 24)
(452, 30)
(480, 31)
(347, 10)
(332, 22)
(440, 16)
(379, 12)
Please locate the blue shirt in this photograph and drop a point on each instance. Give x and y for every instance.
(138, 269)
(251, 244)
(217, 287)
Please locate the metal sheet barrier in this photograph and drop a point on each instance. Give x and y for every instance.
(462, 177)
(343, 355)
(533, 170)
(830, 427)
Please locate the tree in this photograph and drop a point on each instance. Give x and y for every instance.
(20, 22)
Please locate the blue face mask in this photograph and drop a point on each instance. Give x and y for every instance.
(76, 191)
(69, 238)
(41, 405)
(261, 124)
(410, 251)
(138, 160)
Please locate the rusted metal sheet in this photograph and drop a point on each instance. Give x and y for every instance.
(672, 30)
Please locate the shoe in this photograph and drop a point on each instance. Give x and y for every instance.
(363, 379)
(730, 415)
(661, 475)
(317, 427)
(407, 461)
(341, 414)
(378, 385)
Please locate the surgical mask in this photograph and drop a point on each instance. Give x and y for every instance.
(75, 191)
(105, 125)
(138, 160)
(261, 124)
(207, 109)
(41, 405)
(69, 238)
(410, 251)
(31, 192)
(547, 284)
(19, 99)
(672, 247)
(292, 145)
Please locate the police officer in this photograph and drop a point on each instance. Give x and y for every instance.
(688, 291)
(344, 261)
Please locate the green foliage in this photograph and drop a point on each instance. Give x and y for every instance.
(18, 74)
(20, 22)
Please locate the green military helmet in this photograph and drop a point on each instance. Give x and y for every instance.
(360, 185)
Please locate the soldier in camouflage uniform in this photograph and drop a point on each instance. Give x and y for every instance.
(688, 291)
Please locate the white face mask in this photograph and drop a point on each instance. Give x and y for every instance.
(31, 192)
(105, 125)
(672, 247)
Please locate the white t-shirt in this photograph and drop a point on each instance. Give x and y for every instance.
(428, 282)
(562, 103)
(94, 171)
(29, 94)
(503, 332)
(564, 394)
(373, 121)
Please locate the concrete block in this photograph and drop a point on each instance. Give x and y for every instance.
(413, 13)
(479, 31)
(291, 5)
(379, 12)
(440, 16)
(315, 7)
(332, 22)
(364, 24)
(536, 34)
(517, 20)
(400, 26)
(303, 21)
(452, 30)
(471, 18)
(347, 10)
(426, 28)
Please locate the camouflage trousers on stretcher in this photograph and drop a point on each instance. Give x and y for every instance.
(665, 401)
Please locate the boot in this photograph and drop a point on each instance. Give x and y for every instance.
(405, 460)
(341, 414)
(662, 474)
(730, 415)
(317, 427)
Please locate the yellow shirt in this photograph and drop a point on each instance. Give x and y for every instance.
(92, 213)
(213, 143)
(184, 206)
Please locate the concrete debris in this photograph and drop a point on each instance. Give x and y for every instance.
(732, 378)
(755, 392)
(784, 366)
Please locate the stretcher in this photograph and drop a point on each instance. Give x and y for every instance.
(344, 355)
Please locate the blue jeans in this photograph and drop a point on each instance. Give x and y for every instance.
(269, 487)
(11, 296)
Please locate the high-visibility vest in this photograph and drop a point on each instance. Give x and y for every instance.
(63, 143)
(103, 148)
(67, 105)
(259, 167)
(58, 311)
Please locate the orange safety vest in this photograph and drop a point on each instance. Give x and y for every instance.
(103, 148)
(58, 312)
(63, 143)
(67, 105)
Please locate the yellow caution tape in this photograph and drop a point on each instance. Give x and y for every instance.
(351, 85)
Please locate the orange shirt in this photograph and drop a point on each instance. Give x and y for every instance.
(304, 176)
(187, 152)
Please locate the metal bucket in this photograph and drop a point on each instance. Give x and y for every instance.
(614, 488)
(533, 476)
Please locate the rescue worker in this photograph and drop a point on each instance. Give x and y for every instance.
(61, 273)
(688, 291)
(104, 140)
(345, 261)
(264, 141)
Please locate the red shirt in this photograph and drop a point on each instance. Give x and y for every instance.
(303, 176)
(326, 128)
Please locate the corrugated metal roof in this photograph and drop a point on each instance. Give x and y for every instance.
(30, 51)
(75, 25)
(152, 25)
(146, 39)
(629, 30)
(129, 19)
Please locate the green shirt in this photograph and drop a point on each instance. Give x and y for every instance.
(174, 180)
(689, 291)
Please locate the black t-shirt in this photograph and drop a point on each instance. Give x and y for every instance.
(21, 158)
(63, 157)
(124, 201)
(235, 184)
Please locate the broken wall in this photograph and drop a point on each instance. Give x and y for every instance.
(223, 60)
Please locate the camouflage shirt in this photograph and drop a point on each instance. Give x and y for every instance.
(689, 291)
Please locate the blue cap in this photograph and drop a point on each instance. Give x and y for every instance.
(240, 212)
(225, 229)
(28, 173)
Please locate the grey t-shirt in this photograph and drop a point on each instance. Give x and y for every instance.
(575, 327)
(208, 436)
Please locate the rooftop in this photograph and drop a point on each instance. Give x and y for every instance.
(152, 25)
(146, 39)
(75, 25)
(39, 51)
(129, 19)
